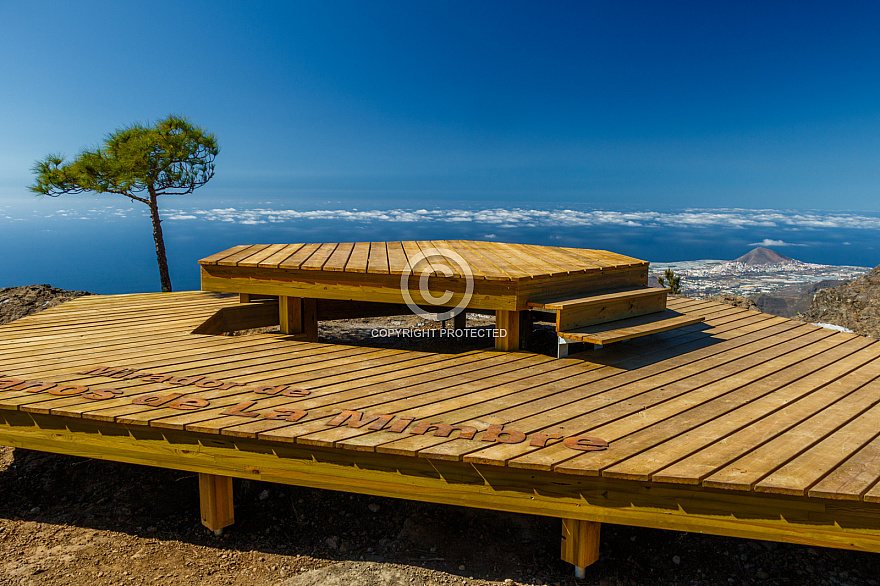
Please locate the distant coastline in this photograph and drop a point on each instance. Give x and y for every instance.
(84, 243)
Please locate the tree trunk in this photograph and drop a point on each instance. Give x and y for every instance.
(160, 242)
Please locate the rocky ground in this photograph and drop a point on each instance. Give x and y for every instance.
(736, 301)
(16, 302)
(854, 305)
(74, 521)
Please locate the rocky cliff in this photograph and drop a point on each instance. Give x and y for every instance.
(16, 302)
(854, 305)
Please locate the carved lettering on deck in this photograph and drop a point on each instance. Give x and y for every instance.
(495, 433)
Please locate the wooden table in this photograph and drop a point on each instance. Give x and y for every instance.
(360, 279)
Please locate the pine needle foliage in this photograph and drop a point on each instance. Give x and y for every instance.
(140, 162)
(671, 280)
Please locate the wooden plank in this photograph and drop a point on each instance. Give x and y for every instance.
(273, 260)
(265, 369)
(692, 509)
(316, 261)
(628, 378)
(388, 368)
(295, 260)
(255, 259)
(397, 260)
(478, 409)
(210, 260)
(668, 431)
(478, 264)
(853, 478)
(608, 259)
(578, 283)
(508, 411)
(429, 384)
(499, 259)
(609, 417)
(443, 266)
(250, 366)
(796, 476)
(233, 259)
(772, 433)
(322, 402)
(577, 301)
(348, 285)
(360, 254)
(470, 393)
(546, 388)
(378, 259)
(551, 255)
(339, 258)
(573, 317)
(585, 260)
(127, 353)
(626, 329)
(329, 388)
(528, 262)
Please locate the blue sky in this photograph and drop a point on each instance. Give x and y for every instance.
(663, 130)
(619, 105)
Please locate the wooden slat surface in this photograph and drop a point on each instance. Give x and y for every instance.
(744, 402)
(489, 260)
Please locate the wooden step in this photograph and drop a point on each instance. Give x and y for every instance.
(608, 306)
(584, 300)
(627, 329)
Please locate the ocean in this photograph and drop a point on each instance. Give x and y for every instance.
(105, 245)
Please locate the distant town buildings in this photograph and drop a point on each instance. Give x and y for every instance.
(702, 278)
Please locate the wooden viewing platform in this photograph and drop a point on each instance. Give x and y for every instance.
(743, 425)
(594, 296)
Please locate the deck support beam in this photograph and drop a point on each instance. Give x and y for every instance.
(580, 544)
(509, 321)
(215, 501)
(299, 316)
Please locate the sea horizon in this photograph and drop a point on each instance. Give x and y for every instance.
(105, 245)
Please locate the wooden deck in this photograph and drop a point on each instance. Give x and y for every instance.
(594, 294)
(746, 425)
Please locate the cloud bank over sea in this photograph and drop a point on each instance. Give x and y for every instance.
(532, 218)
(81, 243)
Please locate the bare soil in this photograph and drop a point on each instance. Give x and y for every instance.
(74, 521)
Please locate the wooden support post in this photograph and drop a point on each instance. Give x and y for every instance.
(310, 319)
(244, 297)
(299, 316)
(508, 321)
(215, 501)
(459, 321)
(290, 314)
(525, 328)
(580, 543)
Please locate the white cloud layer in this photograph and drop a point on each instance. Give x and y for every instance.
(500, 218)
(769, 242)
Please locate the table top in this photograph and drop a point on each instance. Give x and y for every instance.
(485, 260)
